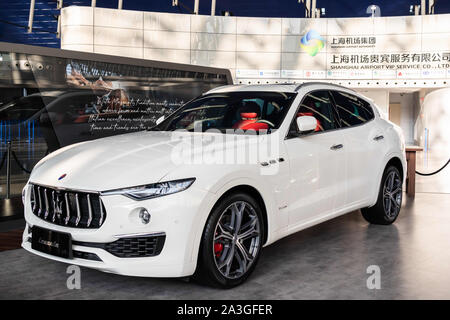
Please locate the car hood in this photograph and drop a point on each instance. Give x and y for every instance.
(116, 162)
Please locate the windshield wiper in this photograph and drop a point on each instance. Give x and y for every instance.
(154, 128)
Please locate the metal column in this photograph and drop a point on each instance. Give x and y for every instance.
(58, 28)
(196, 6)
(213, 7)
(31, 17)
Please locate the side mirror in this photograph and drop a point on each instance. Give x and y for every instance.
(160, 119)
(306, 124)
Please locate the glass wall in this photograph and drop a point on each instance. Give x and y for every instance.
(58, 98)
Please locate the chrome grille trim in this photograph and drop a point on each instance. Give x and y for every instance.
(47, 207)
(102, 215)
(40, 201)
(68, 208)
(78, 210)
(66, 221)
(54, 206)
(33, 203)
(89, 210)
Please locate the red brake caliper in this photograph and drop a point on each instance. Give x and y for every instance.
(218, 248)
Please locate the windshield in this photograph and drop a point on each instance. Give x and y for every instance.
(231, 111)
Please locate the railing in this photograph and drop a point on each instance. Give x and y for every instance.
(24, 136)
(7, 157)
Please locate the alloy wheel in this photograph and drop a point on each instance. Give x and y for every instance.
(392, 194)
(237, 239)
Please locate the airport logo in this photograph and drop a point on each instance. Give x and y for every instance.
(312, 43)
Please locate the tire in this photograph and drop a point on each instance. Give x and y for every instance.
(221, 243)
(389, 201)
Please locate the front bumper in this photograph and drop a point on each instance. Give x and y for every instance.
(177, 216)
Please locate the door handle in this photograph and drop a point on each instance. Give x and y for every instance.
(337, 146)
(380, 137)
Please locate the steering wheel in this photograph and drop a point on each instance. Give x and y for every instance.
(267, 122)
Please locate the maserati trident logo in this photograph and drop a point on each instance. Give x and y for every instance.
(57, 205)
(62, 176)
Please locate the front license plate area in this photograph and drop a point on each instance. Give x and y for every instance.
(52, 242)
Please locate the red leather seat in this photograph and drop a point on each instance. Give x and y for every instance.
(248, 122)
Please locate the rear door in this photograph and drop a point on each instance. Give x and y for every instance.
(316, 162)
(363, 143)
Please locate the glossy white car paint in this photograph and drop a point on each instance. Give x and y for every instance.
(312, 185)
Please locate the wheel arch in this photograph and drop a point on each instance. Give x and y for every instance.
(396, 162)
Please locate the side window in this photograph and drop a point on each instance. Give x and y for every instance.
(318, 104)
(352, 110)
(368, 110)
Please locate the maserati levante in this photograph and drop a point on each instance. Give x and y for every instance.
(204, 190)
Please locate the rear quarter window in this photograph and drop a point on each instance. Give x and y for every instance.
(351, 109)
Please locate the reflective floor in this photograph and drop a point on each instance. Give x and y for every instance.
(328, 261)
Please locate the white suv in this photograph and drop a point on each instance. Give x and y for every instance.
(205, 189)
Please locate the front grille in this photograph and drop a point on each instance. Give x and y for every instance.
(67, 208)
(137, 247)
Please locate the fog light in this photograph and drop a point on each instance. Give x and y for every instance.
(144, 216)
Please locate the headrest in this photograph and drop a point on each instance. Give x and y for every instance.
(249, 115)
(250, 107)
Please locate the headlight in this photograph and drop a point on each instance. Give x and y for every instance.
(153, 190)
(24, 193)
